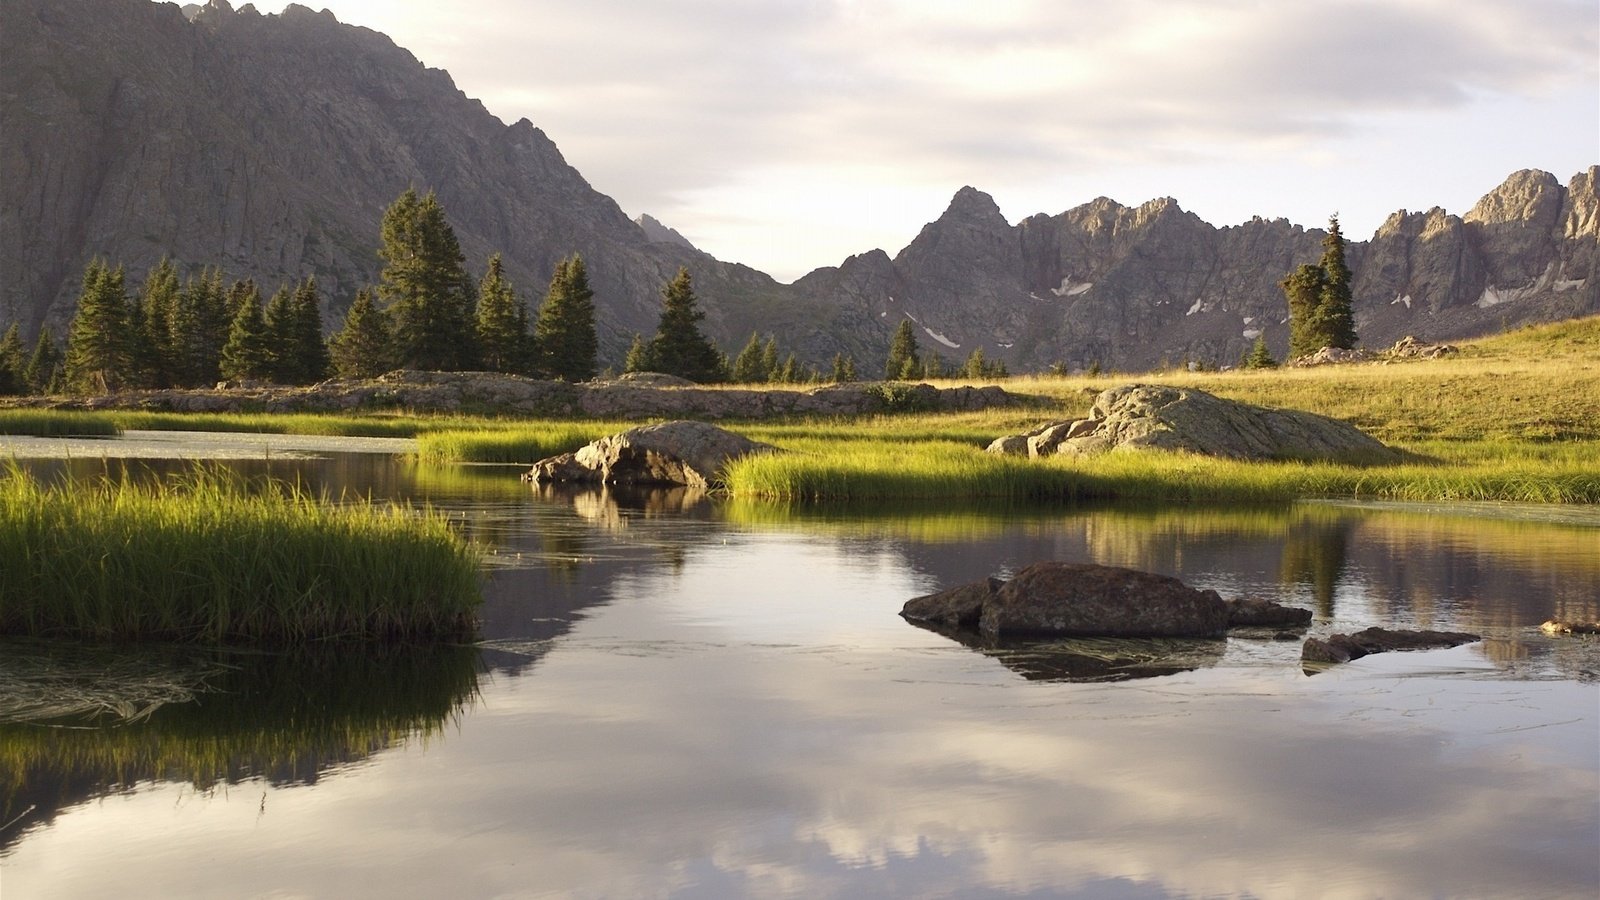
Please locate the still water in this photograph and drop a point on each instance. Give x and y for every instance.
(680, 696)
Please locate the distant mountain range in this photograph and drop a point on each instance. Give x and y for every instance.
(271, 144)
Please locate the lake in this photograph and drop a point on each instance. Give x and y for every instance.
(677, 695)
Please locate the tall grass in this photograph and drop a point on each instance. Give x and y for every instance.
(526, 442)
(207, 559)
(57, 423)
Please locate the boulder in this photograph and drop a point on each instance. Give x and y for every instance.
(1081, 599)
(1555, 627)
(956, 608)
(1340, 648)
(1156, 417)
(686, 453)
(1250, 612)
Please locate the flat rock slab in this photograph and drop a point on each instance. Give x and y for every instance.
(1250, 612)
(1157, 417)
(1340, 648)
(693, 454)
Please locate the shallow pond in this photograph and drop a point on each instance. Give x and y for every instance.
(676, 696)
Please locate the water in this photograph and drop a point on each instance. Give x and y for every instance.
(683, 697)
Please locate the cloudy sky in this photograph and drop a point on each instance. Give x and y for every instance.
(788, 134)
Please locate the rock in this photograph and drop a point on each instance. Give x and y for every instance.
(1332, 355)
(1340, 648)
(958, 607)
(1142, 416)
(1555, 627)
(1409, 347)
(1249, 612)
(686, 453)
(1077, 599)
(653, 379)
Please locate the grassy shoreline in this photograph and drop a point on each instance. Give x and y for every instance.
(210, 559)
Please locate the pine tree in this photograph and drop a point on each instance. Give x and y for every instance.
(248, 355)
(425, 285)
(903, 360)
(12, 365)
(99, 348)
(975, 366)
(564, 331)
(302, 337)
(1258, 356)
(769, 359)
(364, 347)
(678, 347)
(158, 307)
(933, 366)
(1321, 313)
(45, 371)
(501, 324)
(1303, 290)
(790, 372)
(638, 358)
(279, 315)
(837, 375)
(747, 366)
(199, 330)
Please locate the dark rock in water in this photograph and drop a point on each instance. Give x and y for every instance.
(953, 609)
(1554, 627)
(1157, 417)
(687, 453)
(1340, 648)
(1089, 600)
(1249, 612)
(1099, 659)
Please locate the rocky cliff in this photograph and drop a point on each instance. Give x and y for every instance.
(271, 144)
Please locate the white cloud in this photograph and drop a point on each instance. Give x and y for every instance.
(665, 106)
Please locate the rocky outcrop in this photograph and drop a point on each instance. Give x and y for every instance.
(1075, 599)
(1156, 417)
(1253, 612)
(692, 454)
(1340, 648)
(629, 397)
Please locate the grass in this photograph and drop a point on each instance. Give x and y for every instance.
(57, 423)
(210, 559)
(524, 442)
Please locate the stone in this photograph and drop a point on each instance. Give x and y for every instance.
(687, 453)
(1557, 627)
(1081, 599)
(1157, 417)
(958, 607)
(1250, 612)
(1341, 648)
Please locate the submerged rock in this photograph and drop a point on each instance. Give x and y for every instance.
(1250, 612)
(956, 608)
(687, 453)
(1156, 417)
(1340, 648)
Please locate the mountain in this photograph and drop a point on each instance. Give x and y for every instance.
(271, 144)
(1133, 287)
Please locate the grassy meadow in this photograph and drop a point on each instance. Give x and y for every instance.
(213, 559)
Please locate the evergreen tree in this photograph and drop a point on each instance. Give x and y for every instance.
(837, 375)
(1321, 313)
(975, 366)
(199, 330)
(903, 360)
(364, 347)
(12, 365)
(158, 307)
(790, 372)
(99, 345)
(502, 324)
(769, 359)
(303, 352)
(279, 316)
(1303, 290)
(747, 366)
(425, 285)
(564, 332)
(249, 351)
(933, 366)
(45, 370)
(638, 358)
(678, 347)
(1258, 357)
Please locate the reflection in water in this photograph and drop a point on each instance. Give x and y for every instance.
(78, 722)
(1314, 550)
(1087, 659)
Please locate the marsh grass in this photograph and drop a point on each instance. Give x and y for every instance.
(212, 559)
(525, 442)
(57, 423)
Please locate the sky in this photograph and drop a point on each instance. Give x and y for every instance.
(790, 134)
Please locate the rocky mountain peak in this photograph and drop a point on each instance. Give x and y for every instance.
(659, 233)
(1529, 195)
(972, 205)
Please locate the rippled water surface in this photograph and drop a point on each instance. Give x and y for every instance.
(677, 696)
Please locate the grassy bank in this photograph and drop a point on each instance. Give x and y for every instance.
(57, 423)
(208, 559)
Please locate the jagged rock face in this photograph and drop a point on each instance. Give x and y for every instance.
(270, 145)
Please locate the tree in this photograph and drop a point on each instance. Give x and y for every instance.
(747, 366)
(45, 371)
(199, 330)
(769, 359)
(364, 347)
(790, 372)
(502, 322)
(1258, 357)
(638, 358)
(903, 362)
(844, 368)
(248, 353)
(12, 365)
(1319, 298)
(678, 347)
(425, 285)
(303, 353)
(99, 348)
(564, 332)
(279, 316)
(158, 306)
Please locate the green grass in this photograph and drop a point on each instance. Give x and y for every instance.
(208, 559)
(524, 442)
(57, 423)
